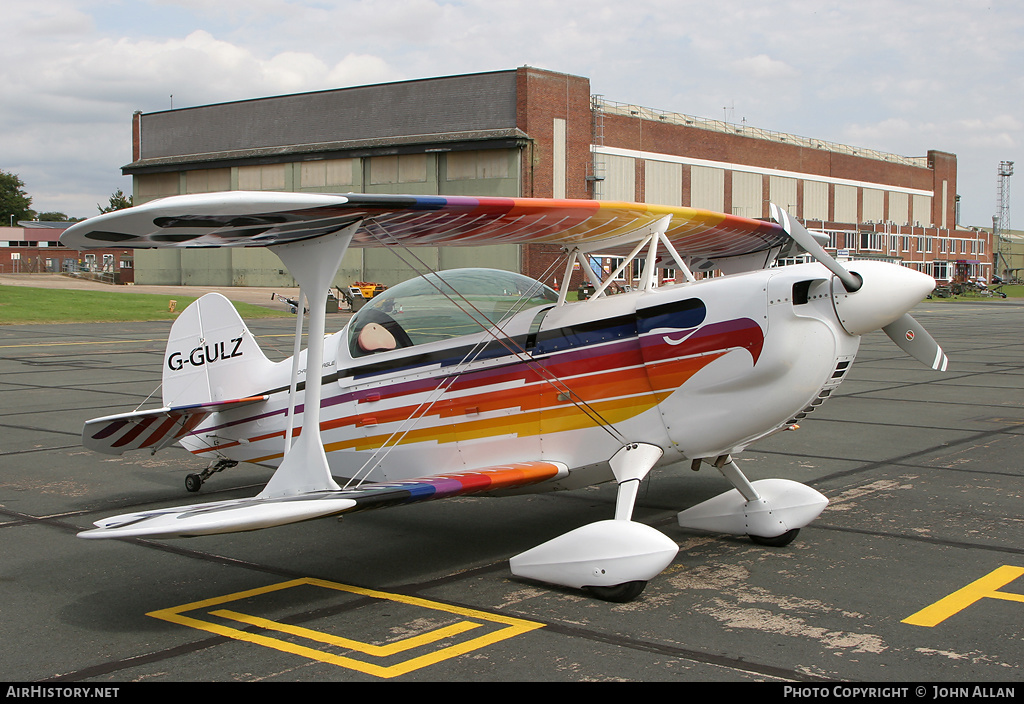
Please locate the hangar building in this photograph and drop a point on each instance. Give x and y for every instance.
(533, 132)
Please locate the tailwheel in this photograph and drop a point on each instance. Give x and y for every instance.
(620, 593)
(779, 541)
(194, 482)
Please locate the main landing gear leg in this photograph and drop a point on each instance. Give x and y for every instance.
(727, 466)
(612, 559)
(770, 511)
(194, 482)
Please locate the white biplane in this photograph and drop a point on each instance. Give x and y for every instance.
(488, 382)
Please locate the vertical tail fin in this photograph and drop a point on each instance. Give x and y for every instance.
(211, 355)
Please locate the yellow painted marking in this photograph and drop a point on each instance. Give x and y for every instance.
(511, 627)
(985, 588)
(65, 344)
(379, 651)
(108, 342)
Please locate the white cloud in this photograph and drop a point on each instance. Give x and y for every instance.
(763, 67)
(903, 77)
(73, 113)
(1003, 131)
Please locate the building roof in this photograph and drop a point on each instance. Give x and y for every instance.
(362, 117)
(45, 224)
(449, 141)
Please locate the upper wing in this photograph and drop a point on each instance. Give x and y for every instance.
(247, 219)
(251, 514)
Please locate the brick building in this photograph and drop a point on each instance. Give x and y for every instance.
(34, 247)
(531, 132)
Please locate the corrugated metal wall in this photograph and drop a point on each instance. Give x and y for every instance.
(707, 188)
(619, 179)
(478, 172)
(815, 200)
(747, 194)
(845, 204)
(922, 210)
(663, 182)
(782, 192)
(899, 208)
(872, 205)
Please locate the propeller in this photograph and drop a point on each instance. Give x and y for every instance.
(805, 239)
(912, 338)
(884, 303)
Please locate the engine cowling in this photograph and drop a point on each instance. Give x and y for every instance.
(888, 291)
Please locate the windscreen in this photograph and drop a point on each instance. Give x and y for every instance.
(442, 306)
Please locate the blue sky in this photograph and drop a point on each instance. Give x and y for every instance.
(899, 76)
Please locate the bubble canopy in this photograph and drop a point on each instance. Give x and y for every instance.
(440, 306)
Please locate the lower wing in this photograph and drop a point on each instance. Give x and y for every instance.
(239, 515)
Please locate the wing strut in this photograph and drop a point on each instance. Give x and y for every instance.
(614, 558)
(313, 263)
(655, 235)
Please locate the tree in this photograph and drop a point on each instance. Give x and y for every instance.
(15, 204)
(118, 201)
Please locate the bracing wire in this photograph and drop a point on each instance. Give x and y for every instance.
(507, 342)
(514, 348)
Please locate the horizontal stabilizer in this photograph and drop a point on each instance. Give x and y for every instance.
(254, 513)
(154, 429)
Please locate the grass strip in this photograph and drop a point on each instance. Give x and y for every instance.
(23, 305)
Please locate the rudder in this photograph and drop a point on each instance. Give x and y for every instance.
(211, 356)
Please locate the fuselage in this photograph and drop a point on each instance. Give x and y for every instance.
(699, 369)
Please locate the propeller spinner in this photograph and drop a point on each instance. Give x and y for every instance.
(876, 296)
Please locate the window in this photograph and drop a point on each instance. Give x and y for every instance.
(152, 186)
(471, 165)
(637, 268)
(330, 172)
(270, 177)
(870, 241)
(207, 180)
(402, 168)
(613, 264)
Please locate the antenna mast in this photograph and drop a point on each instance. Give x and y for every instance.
(1001, 220)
